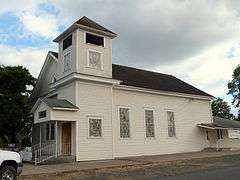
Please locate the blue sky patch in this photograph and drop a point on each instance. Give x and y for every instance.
(13, 33)
(48, 8)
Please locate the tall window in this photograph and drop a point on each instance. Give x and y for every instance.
(124, 123)
(149, 122)
(67, 61)
(171, 124)
(95, 127)
(94, 59)
(50, 131)
(94, 39)
(67, 42)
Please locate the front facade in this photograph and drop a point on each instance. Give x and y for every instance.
(92, 109)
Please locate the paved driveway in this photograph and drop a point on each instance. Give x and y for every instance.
(134, 167)
(229, 173)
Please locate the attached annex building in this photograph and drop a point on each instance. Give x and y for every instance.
(92, 109)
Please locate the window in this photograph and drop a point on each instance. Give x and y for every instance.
(171, 124)
(47, 131)
(67, 42)
(94, 59)
(95, 127)
(42, 114)
(50, 131)
(124, 123)
(52, 134)
(67, 61)
(149, 122)
(93, 39)
(219, 134)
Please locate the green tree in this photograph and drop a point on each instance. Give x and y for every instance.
(220, 108)
(15, 120)
(234, 88)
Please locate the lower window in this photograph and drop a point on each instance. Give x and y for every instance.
(95, 127)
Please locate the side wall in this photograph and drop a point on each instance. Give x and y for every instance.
(94, 100)
(188, 113)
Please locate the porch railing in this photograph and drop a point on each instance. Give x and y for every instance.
(66, 148)
(44, 152)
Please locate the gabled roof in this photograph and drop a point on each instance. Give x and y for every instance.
(86, 24)
(50, 56)
(153, 80)
(59, 103)
(90, 23)
(221, 123)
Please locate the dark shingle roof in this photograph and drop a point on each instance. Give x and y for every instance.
(222, 122)
(152, 80)
(219, 123)
(90, 23)
(59, 103)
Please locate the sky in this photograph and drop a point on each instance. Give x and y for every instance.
(198, 41)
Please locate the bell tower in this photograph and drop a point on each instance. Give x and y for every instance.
(85, 48)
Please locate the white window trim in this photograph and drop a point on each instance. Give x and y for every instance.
(101, 59)
(171, 110)
(144, 121)
(118, 114)
(85, 32)
(65, 53)
(95, 117)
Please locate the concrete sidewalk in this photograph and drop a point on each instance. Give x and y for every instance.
(31, 172)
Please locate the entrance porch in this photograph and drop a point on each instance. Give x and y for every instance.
(54, 129)
(218, 134)
(56, 138)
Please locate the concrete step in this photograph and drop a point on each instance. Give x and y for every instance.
(59, 160)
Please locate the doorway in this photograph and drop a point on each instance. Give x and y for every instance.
(66, 138)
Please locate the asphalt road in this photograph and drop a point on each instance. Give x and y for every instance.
(226, 173)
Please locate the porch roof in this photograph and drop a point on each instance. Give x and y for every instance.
(59, 103)
(221, 123)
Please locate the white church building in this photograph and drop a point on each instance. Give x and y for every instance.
(91, 109)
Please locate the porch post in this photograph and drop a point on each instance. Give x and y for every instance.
(40, 138)
(56, 138)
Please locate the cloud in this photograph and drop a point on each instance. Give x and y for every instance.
(198, 41)
(44, 25)
(31, 58)
(157, 32)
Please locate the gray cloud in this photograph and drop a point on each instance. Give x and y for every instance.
(158, 32)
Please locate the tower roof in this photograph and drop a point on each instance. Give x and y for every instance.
(89, 25)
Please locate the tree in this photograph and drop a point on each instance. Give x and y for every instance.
(15, 106)
(234, 88)
(220, 108)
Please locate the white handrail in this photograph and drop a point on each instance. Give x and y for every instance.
(47, 151)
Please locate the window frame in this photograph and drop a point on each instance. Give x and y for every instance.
(88, 127)
(49, 132)
(64, 49)
(67, 52)
(40, 113)
(88, 60)
(119, 122)
(144, 120)
(175, 134)
(85, 39)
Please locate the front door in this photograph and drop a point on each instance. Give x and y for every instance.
(66, 138)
